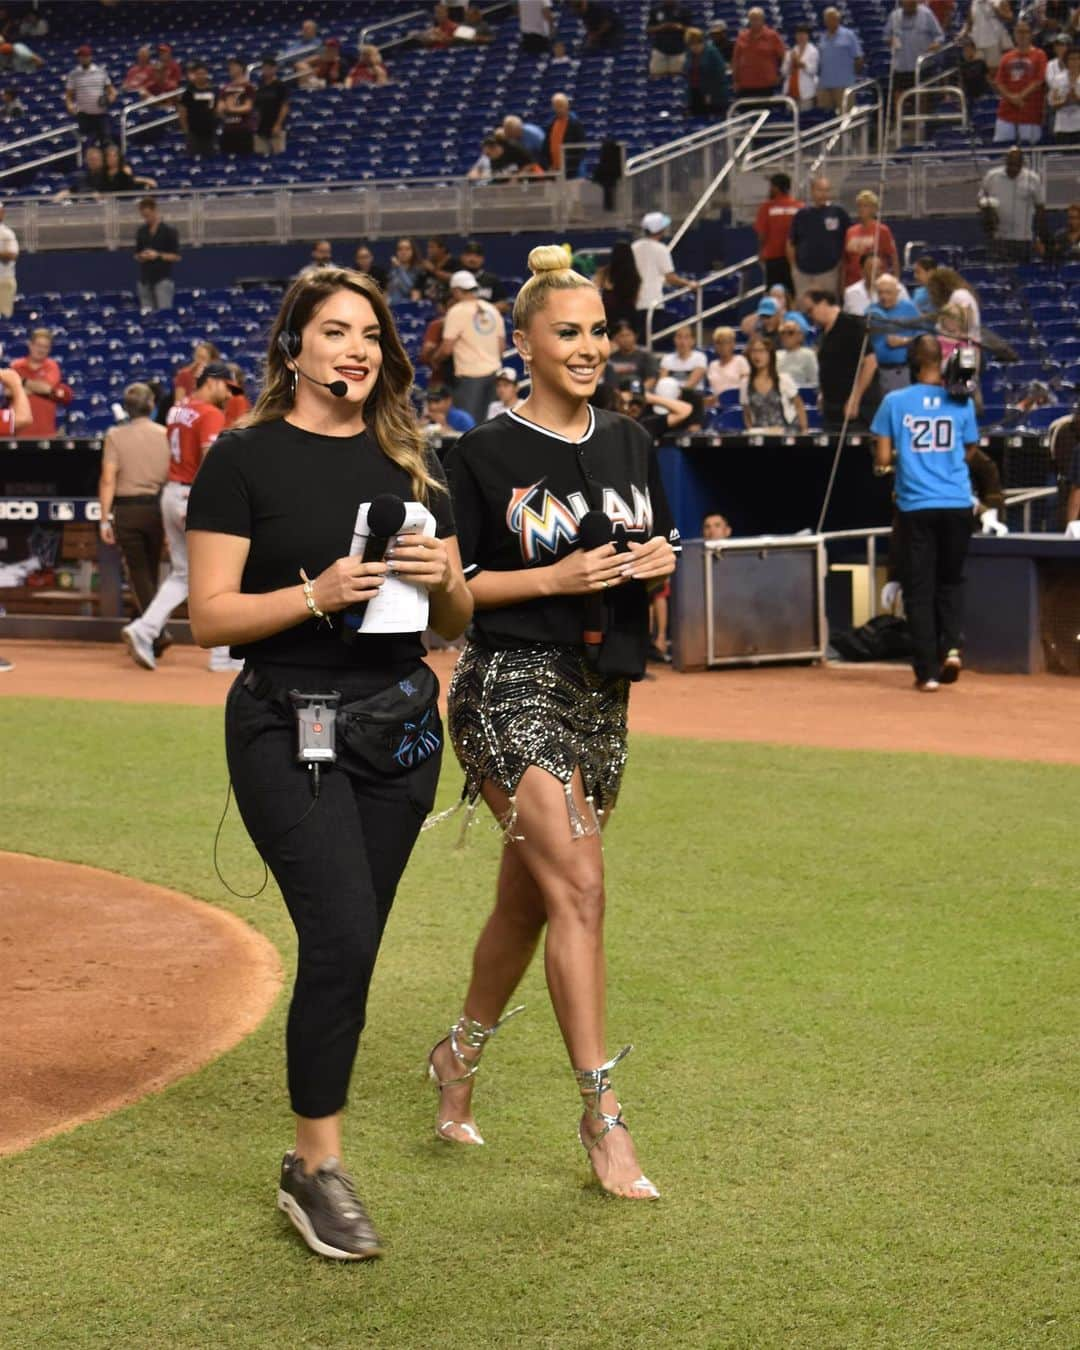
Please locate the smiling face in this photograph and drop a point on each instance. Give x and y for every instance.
(341, 341)
(684, 341)
(567, 343)
(39, 347)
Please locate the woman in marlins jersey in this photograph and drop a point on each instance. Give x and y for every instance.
(537, 714)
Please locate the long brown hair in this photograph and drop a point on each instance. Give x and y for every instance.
(758, 339)
(387, 410)
(941, 283)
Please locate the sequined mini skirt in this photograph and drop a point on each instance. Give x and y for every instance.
(539, 705)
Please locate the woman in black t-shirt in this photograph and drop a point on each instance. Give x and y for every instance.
(537, 706)
(272, 505)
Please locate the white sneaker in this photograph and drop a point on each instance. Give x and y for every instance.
(221, 661)
(927, 686)
(140, 647)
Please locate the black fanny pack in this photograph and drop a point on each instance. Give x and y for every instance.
(392, 731)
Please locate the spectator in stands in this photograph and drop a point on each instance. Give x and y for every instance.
(619, 282)
(474, 335)
(603, 28)
(974, 72)
(628, 361)
(795, 359)
(488, 285)
(18, 57)
(157, 251)
(87, 94)
(1015, 205)
(943, 11)
(90, 178)
(721, 40)
(482, 31)
(1058, 61)
(438, 267)
(845, 373)
(859, 296)
(920, 297)
(235, 111)
(772, 225)
(659, 413)
(560, 56)
(134, 468)
(708, 78)
(758, 56)
(9, 252)
(140, 76)
(197, 112)
(868, 235)
(946, 287)
(322, 255)
(487, 164)
(44, 384)
(986, 26)
(187, 377)
(816, 243)
(404, 273)
(770, 401)
(442, 420)
(119, 176)
(536, 21)
(524, 140)
(888, 338)
(1020, 79)
(168, 75)
(12, 108)
(800, 69)
(441, 371)
(841, 61)
(1067, 241)
(506, 392)
(364, 261)
(910, 32)
(33, 24)
(655, 264)
(766, 318)
(325, 68)
(1064, 99)
(307, 41)
(715, 526)
(685, 364)
(666, 27)
(563, 130)
(239, 405)
(727, 369)
(271, 100)
(370, 68)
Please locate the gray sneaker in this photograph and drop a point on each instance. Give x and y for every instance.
(140, 647)
(326, 1210)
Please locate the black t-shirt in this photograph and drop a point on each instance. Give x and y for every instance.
(838, 359)
(489, 287)
(269, 100)
(519, 492)
(201, 105)
(670, 42)
(295, 495)
(164, 239)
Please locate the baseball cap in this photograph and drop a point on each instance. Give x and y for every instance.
(507, 373)
(767, 305)
(84, 50)
(164, 47)
(655, 222)
(799, 320)
(462, 281)
(218, 370)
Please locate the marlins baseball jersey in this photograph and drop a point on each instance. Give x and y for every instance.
(929, 431)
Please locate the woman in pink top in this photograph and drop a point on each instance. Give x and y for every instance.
(869, 235)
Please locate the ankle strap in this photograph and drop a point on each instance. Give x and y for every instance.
(474, 1035)
(595, 1082)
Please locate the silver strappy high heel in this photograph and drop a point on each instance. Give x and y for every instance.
(593, 1083)
(473, 1035)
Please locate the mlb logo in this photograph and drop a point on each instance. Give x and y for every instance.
(61, 510)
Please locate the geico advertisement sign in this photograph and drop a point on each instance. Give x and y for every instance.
(59, 511)
(19, 511)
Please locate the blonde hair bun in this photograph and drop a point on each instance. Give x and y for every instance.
(549, 258)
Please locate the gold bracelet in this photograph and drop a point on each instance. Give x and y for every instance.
(309, 596)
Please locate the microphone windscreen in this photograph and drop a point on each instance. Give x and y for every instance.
(338, 388)
(595, 529)
(386, 515)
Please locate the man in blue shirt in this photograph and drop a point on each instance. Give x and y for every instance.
(910, 31)
(889, 340)
(841, 57)
(929, 435)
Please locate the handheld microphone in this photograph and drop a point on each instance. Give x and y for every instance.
(385, 517)
(594, 530)
(337, 387)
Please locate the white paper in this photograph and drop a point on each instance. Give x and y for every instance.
(401, 606)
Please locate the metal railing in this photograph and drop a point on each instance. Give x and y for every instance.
(739, 269)
(63, 130)
(919, 117)
(757, 121)
(364, 36)
(130, 109)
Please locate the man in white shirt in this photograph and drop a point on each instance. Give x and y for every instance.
(685, 364)
(87, 94)
(9, 251)
(654, 263)
(1063, 88)
(474, 334)
(1014, 198)
(859, 297)
(536, 19)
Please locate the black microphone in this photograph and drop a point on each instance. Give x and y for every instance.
(594, 530)
(337, 387)
(385, 517)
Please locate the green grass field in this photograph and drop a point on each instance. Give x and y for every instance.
(854, 988)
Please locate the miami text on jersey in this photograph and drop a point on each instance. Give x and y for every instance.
(542, 527)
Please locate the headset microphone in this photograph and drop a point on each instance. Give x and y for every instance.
(337, 387)
(594, 530)
(288, 343)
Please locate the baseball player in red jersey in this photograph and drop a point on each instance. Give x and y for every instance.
(192, 426)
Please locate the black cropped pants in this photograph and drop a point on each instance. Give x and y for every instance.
(338, 867)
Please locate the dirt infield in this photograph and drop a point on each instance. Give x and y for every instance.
(844, 707)
(146, 985)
